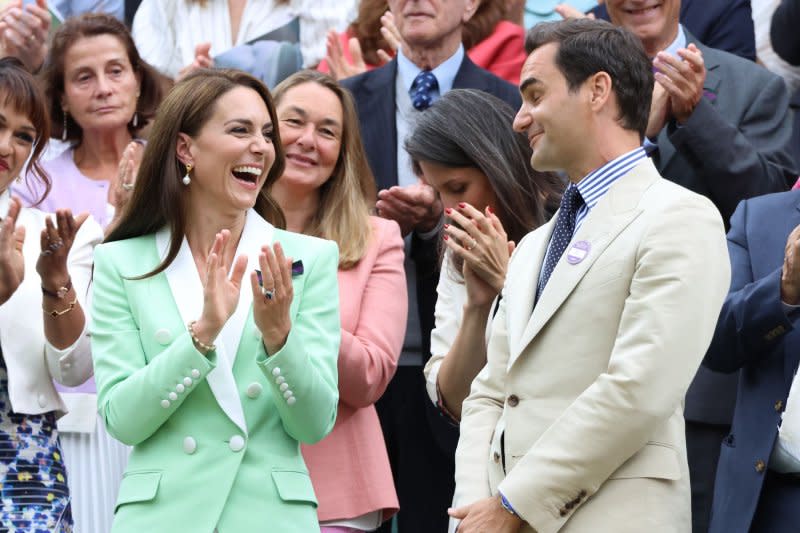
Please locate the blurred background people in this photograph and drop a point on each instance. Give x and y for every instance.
(327, 190)
(390, 99)
(786, 44)
(169, 307)
(464, 147)
(45, 267)
(493, 41)
(177, 35)
(758, 476)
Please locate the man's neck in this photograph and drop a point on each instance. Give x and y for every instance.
(430, 57)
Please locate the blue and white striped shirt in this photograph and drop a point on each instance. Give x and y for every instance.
(596, 184)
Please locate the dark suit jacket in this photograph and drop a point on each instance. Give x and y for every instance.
(374, 93)
(754, 334)
(721, 24)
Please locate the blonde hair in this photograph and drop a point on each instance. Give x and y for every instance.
(347, 198)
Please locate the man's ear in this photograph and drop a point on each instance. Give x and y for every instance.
(600, 89)
(470, 7)
(184, 148)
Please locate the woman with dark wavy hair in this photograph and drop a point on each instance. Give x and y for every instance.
(464, 147)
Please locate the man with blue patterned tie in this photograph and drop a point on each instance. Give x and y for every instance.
(431, 61)
(575, 423)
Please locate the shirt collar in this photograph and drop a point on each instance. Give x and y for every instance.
(678, 43)
(445, 73)
(597, 182)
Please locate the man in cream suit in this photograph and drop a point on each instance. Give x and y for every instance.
(576, 422)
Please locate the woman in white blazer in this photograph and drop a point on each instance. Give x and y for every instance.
(45, 268)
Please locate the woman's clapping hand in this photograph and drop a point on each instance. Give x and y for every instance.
(12, 263)
(272, 298)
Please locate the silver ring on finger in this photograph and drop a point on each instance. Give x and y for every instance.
(472, 244)
(32, 38)
(47, 252)
(269, 294)
(127, 186)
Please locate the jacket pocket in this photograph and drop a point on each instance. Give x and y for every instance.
(140, 486)
(655, 460)
(294, 486)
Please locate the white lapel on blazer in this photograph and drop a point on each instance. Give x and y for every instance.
(256, 233)
(187, 290)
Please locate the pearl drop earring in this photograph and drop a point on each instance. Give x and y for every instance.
(187, 179)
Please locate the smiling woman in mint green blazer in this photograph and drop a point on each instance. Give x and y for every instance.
(214, 385)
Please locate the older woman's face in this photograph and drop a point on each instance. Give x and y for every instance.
(311, 127)
(459, 184)
(17, 135)
(100, 86)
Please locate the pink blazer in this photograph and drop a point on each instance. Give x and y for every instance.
(350, 467)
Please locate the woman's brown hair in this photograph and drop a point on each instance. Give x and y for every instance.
(19, 89)
(159, 197)
(91, 25)
(348, 195)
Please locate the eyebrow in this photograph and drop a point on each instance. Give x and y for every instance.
(527, 83)
(24, 127)
(302, 113)
(247, 122)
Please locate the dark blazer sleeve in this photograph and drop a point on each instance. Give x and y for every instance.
(741, 158)
(752, 320)
(784, 31)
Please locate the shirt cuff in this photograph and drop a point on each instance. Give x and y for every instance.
(789, 309)
(507, 504)
(430, 234)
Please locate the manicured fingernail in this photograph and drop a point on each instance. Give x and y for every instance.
(446, 226)
(446, 237)
(462, 205)
(448, 211)
(489, 209)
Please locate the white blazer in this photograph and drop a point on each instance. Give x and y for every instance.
(31, 361)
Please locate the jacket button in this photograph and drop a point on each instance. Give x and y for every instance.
(779, 406)
(513, 401)
(189, 445)
(163, 336)
(236, 443)
(760, 466)
(496, 457)
(254, 390)
(562, 512)
(582, 494)
(42, 400)
(570, 505)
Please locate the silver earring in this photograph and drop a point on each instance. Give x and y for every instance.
(187, 179)
(135, 122)
(64, 130)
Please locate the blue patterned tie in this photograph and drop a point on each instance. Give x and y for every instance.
(562, 234)
(422, 90)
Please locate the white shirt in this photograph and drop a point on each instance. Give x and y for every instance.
(167, 31)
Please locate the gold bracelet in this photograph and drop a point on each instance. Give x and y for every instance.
(55, 313)
(198, 342)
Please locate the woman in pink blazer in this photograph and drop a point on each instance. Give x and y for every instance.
(327, 190)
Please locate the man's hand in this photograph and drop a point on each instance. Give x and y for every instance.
(568, 12)
(659, 111)
(683, 79)
(415, 207)
(790, 275)
(484, 516)
(202, 59)
(338, 64)
(24, 31)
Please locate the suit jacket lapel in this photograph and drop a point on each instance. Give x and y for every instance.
(612, 214)
(379, 122)
(710, 90)
(187, 291)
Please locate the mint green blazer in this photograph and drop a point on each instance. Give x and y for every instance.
(215, 438)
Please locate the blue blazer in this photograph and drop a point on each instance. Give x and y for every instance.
(755, 335)
(722, 24)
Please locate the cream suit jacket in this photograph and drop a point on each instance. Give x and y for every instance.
(577, 417)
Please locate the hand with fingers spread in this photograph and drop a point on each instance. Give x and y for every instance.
(220, 292)
(126, 175)
(56, 241)
(24, 32)
(414, 207)
(340, 67)
(683, 79)
(12, 263)
(480, 240)
(272, 298)
(392, 35)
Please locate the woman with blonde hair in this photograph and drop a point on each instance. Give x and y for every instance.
(327, 190)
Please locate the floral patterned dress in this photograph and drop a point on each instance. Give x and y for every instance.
(33, 481)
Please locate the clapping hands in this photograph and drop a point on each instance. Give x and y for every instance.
(12, 263)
